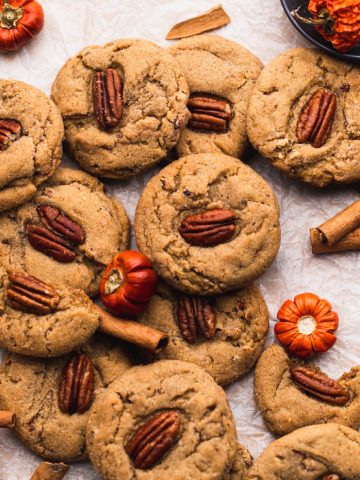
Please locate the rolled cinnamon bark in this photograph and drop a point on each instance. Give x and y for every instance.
(351, 241)
(337, 227)
(132, 331)
(7, 419)
(50, 471)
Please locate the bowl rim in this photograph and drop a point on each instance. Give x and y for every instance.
(330, 50)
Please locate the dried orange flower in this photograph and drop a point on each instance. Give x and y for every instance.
(306, 325)
(338, 21)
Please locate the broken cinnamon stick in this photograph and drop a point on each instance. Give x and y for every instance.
(211, 20)
(351, 241)
(50, 471)
(132, 331)
(7, 419)
(341, 224)
(338, 234)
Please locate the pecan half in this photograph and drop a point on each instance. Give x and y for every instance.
(60, 223)
(208, 228)
(316, 118)
(319, 385)
(55, 244)
(107, 95)
(195, 315)
(49, 243)
(150, 443)
(209, 114)
(10, 130)
(77, 385)
(28, 294)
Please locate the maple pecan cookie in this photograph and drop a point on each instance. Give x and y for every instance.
(221, 75)
(67, 234)
(42, 321)
(123, 104)
(316, 452)
(303, 116)
(166, 417)
(224, 335)
(209, 224)
(291, 394)
(51, 397)
(31, 133)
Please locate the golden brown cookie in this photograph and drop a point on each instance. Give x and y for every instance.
(67, 234)
(303, 116)
(221, 75)
(317, 452)
(224, 334)
(209, 224)
(149, 95)
(199, 437)
(30, 388)
(42, 321)
(31, 132)
(288, 402)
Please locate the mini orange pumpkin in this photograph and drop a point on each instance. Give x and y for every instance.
(20, 22)
(306, 325)
(128, 283)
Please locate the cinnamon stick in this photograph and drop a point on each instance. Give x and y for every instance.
(338, 234)
(132, 331)
(211, 20)
(7, 419)
(341, 224)
(50, 471)
(351, 241)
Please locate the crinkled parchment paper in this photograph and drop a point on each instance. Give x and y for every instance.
(261, 26)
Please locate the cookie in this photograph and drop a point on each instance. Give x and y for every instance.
(303, 117)
(199, 430)
(226, 345)
(150, 94)
(67, 234)
(221, 75)
(39, 320)
(31, 133)
(209, 224)
(286, 406)
(29, 387)
(317, 452)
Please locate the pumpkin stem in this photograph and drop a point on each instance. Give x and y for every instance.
(10, 16)
(306, 325)
(114, 281)
(324, 20)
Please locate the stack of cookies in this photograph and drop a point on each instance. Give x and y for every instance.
(210, 226)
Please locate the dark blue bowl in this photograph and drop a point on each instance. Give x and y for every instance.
(309, 32)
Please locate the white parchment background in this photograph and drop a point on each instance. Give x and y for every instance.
(261, 26)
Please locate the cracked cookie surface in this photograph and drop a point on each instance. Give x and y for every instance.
(242, 321)
(71, 325)
(80, 197)
(310, 453)
(216, 66)
(155, 95)
(29, 388)
(283, 89)
(285, 407)
(206, 448)
(31, 157)
(196, 183)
